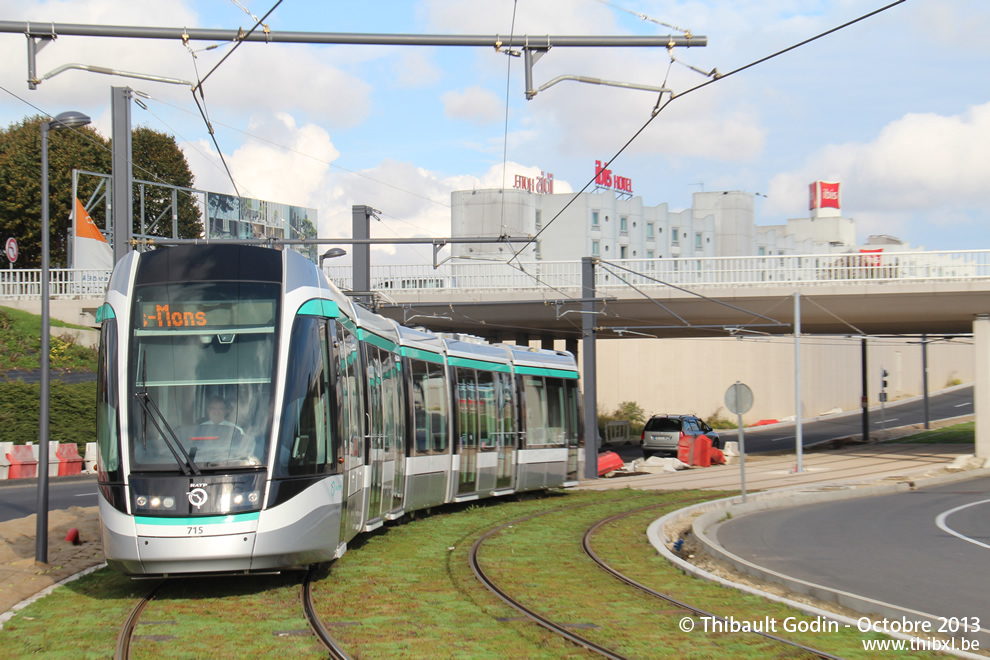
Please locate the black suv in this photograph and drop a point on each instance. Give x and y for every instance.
(662, 432)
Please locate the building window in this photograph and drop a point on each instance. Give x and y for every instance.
(594, 249)
(594, 220)
(623, 252)
(697, 240)
(539, 218)
(675, 239)
(623, 224)
(649, 254)
(649, 230)
(762, 251)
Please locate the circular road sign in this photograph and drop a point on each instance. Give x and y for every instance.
(11, 249)
(739, 398)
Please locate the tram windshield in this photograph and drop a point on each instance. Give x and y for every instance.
(201, 369)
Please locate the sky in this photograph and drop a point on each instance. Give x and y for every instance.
(896, 107)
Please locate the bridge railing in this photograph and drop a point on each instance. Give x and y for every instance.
(547, 276)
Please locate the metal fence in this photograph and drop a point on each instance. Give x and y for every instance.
(544, 276)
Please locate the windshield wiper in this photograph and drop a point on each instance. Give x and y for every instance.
(148, 404)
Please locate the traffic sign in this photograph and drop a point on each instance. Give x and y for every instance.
(739, 398)
(11, 249)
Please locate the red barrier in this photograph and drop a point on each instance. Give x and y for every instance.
(717, 457)
(702, 454)
(685, 447)
(608, 461)
(69, 460)
(23, 464)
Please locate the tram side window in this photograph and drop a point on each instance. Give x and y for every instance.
(351, 421)
(572, 418)
(107, 416)
(467, 408)
(429, 402)
(535, 396)
(486, 410)
(304, 444)
(556, 408)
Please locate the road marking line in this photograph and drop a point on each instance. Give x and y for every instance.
(940, 522)
(892, 419)
(960, 405)
(85, 495)
(790, 437)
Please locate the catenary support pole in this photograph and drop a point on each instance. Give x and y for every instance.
(361, 229)
(41, 532)
(589, 371)
(798, 431)
(123, 172)
(924, 377)
(865, 401)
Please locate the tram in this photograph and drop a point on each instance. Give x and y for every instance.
(251, 418)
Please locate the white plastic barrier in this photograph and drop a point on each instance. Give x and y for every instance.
(89, 460)
(5, 448)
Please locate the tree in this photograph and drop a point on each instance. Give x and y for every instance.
(156, 158)
(20, 184)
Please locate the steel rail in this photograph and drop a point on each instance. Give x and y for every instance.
(123, 649)
(306, 596)
(586, 544)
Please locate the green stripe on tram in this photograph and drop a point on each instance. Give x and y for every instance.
(104, 312)
(478, 364)
(205, 520)
(421, 355)
(380, 342)
(320, 307)
(554, 373)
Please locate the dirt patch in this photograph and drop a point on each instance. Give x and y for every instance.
(22, 577)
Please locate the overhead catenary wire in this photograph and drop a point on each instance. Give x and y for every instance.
(660, 106)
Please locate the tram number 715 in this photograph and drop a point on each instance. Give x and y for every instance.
(194, 531)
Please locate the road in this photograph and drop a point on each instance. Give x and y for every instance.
(951, 403)
(19, 497)
(923, 550)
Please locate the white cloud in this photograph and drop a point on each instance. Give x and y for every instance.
(920, 162)
(474, 104)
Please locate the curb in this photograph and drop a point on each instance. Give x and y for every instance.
(714, 512)
(7, 616)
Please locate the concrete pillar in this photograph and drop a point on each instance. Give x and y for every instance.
(546, 343)
(571, 346)
(981, 386)
(522, 339)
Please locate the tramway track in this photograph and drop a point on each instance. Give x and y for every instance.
(328, 642)
(586, 544)
(126, 636)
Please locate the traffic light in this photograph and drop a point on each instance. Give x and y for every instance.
(883, 379)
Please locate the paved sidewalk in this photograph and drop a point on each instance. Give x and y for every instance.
(866, 463)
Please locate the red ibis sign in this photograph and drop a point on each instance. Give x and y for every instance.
(824, 195)
(605, 179)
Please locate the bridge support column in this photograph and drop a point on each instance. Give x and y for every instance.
(589, 368)
(546, 343)
(981, 388)
(571, 346)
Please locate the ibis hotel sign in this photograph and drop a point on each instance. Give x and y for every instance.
(605, 179)
(542, 184)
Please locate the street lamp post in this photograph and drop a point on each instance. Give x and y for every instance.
(69, 119)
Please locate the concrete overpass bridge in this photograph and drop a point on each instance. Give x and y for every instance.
(945, 292)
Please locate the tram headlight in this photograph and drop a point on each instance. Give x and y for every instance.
(169, 502)
(238, 498)
(156, 502)
(142, 501)
(253, 497)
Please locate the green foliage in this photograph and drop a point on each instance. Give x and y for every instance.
(717, 421)
(156, 158)
(20, 345)
(72, 412)
(627, 411)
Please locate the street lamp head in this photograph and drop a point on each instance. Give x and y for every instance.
(333, 253)
(69, 119)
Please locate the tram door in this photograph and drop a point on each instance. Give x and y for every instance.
(351, 429)
(467, 430)
(376, 431)
(505, 418)
(572, 428)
